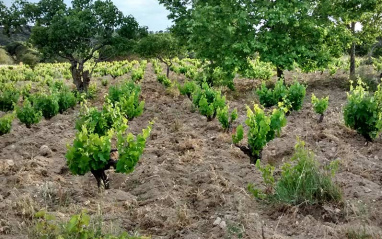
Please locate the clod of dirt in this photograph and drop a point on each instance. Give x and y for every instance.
(45, 151)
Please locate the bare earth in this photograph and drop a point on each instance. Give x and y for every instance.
(190, 175)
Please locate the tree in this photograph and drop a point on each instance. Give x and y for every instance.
(296, 32)
(75, 33)
(163, 46)
(346, 14)
(226, 33)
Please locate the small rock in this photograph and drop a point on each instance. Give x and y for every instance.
(87, 203)
(223, 225)
(367, 190)
(376, 157)
(45, 151)
(337, 211)
(10, 163)
(217, 221)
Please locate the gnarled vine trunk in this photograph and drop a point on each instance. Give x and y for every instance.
(280, 72)
(81, 77)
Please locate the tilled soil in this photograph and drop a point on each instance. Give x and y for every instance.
(191, 182)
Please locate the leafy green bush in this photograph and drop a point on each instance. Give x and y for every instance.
(28, 114)
(99, 122)
(270, 97)
(6, 123)
(9, 96)
(296, 95)
(304, 181)
(137, 74)
(208, 101)
(47, 104)
(66, 99)
(225, 118)
(164, 80)
(363, 111)
(5, 58)
(105, 82)
(259, 70)
(91, 151)
(91, 93)
(262, 129)
(79, 226)
(128, 96)
(320, 105)
(188, 88)
(131, 107)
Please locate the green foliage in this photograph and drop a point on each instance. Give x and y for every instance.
(164, 80)
(259, 70)
(5, 58)
(263, 128)
(208, 101)
(79, 226)
(137, 74)
(225, 118)
(9, 96)
(99, 122)
(238, 135)
(363, 111)
(188, 88)
(296, 95)
(28, 114)
(128, 97)
(66, 99)
(320, 105)
(130, 149)
(104, 82)
(304, 181)
(131, 107)
(292, 96)
(89, 151)
(6, 123)
(270, 97)
(46, 103)
(91, 93)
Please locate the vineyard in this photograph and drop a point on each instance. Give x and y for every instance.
(298, 157)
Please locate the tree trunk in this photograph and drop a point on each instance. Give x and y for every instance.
(168, 71)
(321, 118)
(280, 72)
(352, 54)
(80, 77)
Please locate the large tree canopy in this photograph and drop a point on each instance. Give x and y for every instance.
(163, 46)
(75, 32)
(309, 33)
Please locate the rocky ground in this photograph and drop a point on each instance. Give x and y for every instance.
(191, 181)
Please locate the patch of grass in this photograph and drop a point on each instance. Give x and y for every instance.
(358, 234)
(302, 180)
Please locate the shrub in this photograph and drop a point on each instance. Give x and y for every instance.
(225, 118)
(208, 101)
(105, 82)
(66, 99)
(262, 129)
(296, 95)
(91, 93)
(92, 151)
(320, 106)
(164, 80)
(303, 182)
(6, 123)
(78, 226)
(188, 88)
(137, 74)
(47, 104)
(128, 97)
(28, 114)
(99, 122)
(9, 96)
(270, 97)
(131, 107)
(5, 58)
(363, 111)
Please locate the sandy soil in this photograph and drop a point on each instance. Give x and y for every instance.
(190, 175)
